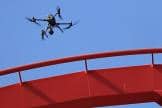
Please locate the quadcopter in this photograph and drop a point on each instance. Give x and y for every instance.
(52, 23)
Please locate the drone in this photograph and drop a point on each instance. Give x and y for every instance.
(52, 23)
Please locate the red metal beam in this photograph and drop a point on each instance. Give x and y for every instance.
(104, 87)
(83, 90)
(79, 58)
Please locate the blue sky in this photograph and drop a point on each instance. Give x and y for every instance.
(105, 25)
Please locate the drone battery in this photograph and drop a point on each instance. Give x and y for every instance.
(50, 31)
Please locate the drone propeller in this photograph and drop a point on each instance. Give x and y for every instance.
(71, 24)
(75, 23)
(58, 12)
(33, 19)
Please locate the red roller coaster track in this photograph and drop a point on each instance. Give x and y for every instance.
(89, 88)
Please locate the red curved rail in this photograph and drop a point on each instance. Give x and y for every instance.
(79, 58)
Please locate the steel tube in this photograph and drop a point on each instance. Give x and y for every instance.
(79, 58)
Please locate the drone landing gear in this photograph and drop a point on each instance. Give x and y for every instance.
(43, 33)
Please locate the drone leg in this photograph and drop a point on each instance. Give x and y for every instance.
(43, 33)
(42, 37)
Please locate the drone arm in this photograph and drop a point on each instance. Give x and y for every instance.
(41, 19)
(63, 23)
(56, 14)
(59, 28)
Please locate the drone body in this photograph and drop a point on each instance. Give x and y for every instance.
(51, 23)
